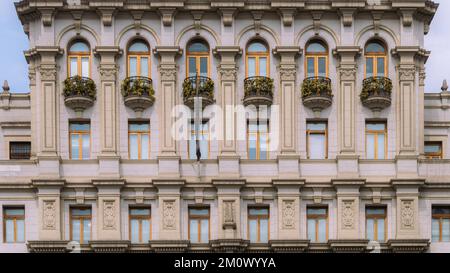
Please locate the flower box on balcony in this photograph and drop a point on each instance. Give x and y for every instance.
(317, 94)
(376, 93)
(258, 90)
(79, 93)
(138, 93)
(198, 86)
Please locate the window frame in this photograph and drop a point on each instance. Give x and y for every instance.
(258, 218)
(81, 218)
(258, 138)
(374, 56)
(316, 132)
(316, 56)
(257, 55)
(376, 217)
(439, 217)
(15, 218)
(198, 55)
(80, 139)
(317, 217)
(139, 134)
(439, 155)
(140, 218)
(21, 142)
(199, 225)
(138, 55)
(79, 55)
(376, 133)
(192, 132)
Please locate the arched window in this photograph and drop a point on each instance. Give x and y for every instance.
(376, 62)
(138, 59)
(316, 59)
(79, 59)
(257, 59)
(197, 60)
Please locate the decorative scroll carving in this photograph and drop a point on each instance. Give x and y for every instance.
(228, 212)
(347, 17)
(347, 73)
(287, 15)
(167, 15)
(48, 73)
(107, 15)
(227, 74)
(169, 220)
(407, 73)
(348, 214)
(407, 214)
(422, 77)
(168, 73)
(49, 215)
(227, 16)
(257, 16)
(287, 73)
(317, 16)
(108, 73)
(109, 214)
(32, 76)
(288, 214)
(47, 16)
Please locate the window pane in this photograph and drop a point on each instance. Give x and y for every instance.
(133, 66)
(251, 67)
(79, 47)
(252, 146)
(264, 232)
(134, 230)
(87, 230)
(435, 230)
(376, 126)
(441, 210)
(81, 212)
(15, 212)
(79, 127)
(258, 212)
(380, 230)
(369, 67)
(9, 231)
(263, 146)
(19, 150)
(370, 152)
(257, 47)
(374, 48)
(316, 126)
(139, 47)
(310, 67)
(316, 48)
(193, 230)
(322, 67)
(145, 231)
(198, 47)
(75, 147)
(204, 66)
(205, 230)
(134, 148)
(144, 67)
(380, 67)
(86, 147)
(73, 67)
(381, 146)
(370, 229)
(375, 211)
(144, 146)
(433, 148)
(263, 66)
(316, 146)
(192, 147)
(204, 147)
(139, 127)
(140, 212)
(446, 230)
(322, 230)
(76, 230)
(85, 67)
(199, 212)
(20, 231)
(253, 230)
(192, 67)
(312, 230)
(317, 211)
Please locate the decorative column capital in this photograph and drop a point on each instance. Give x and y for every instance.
(407, 73)
(168, 72)
(347, 73)
(287, 67)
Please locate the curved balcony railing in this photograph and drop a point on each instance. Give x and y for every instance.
(258, 90)
(198, 86)
(376, 93)
(138, 93)
(317, 93)
(79, 93)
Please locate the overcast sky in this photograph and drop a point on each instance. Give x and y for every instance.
(13, 66)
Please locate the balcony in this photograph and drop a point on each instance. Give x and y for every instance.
(376, 93)
(198, 86)
(317, 94)
(138, 93)
(258, 91)
(79, 93)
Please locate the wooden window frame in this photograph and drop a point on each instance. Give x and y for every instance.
(439, 155)
(139, 135)
(439, 217)
(317, 132)
(81, 218)
(79, 55)
(140, 218)
(257, 55)
(139, 55)
(316, 218)
(198, 55)
(316, 56)
(80, 139)
(377, 217)
(258, 218)
(15, 218)
(374, 56)
(376, 133)
(258, 137)
(192, 132)
(199, 218)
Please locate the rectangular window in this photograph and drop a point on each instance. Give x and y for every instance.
(80, 224)
(73, 66)
(433, 149)
(316, 140)
(258, 225)
(199, 225)
(203, 136)
(140, 225)
(311, 71)
(376, 224)
(258, 139)
(440, 226)
(251, 67)
(19, 150)
(80, 140)
(14, 224)
(317, 224)
(376, 140)
(139, 140)
(85, 67)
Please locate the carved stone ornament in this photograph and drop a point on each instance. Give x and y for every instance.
(228, 212)
(109, 215)
(422, 77)
(32, 76)
(48, 73)
(348, 214)
(49, 215)
(407, 73)
(108, 73)
(169, 220)
(227, 16)
(168, 73)
(288, 214)
(287, 73)
(227, 74)
(347, 74)
(407, 214)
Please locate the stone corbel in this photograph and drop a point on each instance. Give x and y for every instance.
(287, 15)
(79, 196)
(167, 15)
(347, 16)
(407, 16)
(257, 16)
(259, 192)
(47, 15)
(197, 15)
(317, 16)
(317, 195)
(376, 16)
(227, 16)
(376, 195)
(139, 195)
(77, 17)
(137, 16)
(198, 195)
(107, 15)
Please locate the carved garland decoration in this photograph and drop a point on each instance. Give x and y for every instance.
(407, 214)
(348, 214)
(109, 215)
(169, 220)
(49, 215)
(288, 214)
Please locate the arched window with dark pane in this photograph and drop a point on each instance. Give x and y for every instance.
(79, 57)
(257, 59)
(197, 59)
(376, 61)
(316, 59)
(139, 59)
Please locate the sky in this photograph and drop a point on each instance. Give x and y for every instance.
(13, 66)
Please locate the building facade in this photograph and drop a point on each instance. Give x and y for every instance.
(316, 133)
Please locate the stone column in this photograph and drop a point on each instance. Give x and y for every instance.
(288, 157)
(228, 158)
(49, 194)
(229, 208)
(168, 158)
(108, 97)
(347, 99)
(33, 101)
(347, 193)
(288, 208)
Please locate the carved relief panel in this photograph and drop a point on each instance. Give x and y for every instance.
(169, 211)
(49, 215)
